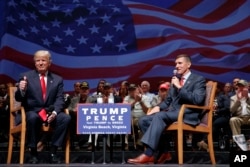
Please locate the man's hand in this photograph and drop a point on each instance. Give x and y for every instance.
(23, 84)
(138, 97)
(176, 82)
(242, 94)
(51, 118)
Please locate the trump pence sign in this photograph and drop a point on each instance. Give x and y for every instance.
(104, 118)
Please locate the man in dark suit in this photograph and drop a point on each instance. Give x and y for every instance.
(190, 89)
(40, 91)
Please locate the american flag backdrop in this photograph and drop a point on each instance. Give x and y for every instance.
(126, 40)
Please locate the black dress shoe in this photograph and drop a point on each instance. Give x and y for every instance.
(33, 160)
(54, 159)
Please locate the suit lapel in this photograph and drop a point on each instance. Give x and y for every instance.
(188, 81)
(37, 84)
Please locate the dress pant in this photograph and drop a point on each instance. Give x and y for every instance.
(236, 122)
(59, 125)
(154, 125)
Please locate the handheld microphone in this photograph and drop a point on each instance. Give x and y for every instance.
(49, 112)
(50, 109)
(175, 72)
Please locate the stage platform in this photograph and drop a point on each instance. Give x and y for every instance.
(82, 157)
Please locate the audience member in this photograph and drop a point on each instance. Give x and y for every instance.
(240, 110)
(99, 88)
(221, 115)
(123, 90)
(83, 98)
(139, 107)
(41, 93)
(77, 88)
(190, 89)
(4, 113)
(144, 89)
(234, 85)
(162, 94)
(108, 92)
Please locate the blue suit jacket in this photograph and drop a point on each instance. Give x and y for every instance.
(193, 92)
(32, 98)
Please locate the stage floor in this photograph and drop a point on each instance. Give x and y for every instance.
(112, 165)
(84, 158)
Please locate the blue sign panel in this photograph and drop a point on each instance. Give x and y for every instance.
(104, 118)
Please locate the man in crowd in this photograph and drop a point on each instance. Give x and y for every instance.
(240, 109)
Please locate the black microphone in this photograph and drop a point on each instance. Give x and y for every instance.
(49, 111)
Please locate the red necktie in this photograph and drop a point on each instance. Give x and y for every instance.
(43, 113)
(42, 81)
(182, 81)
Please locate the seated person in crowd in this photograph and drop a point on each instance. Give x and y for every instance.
(139, 107)
(76, 91)
(144, 89)
(4, 113)
(123, 90)
(162, 94)
(84, 97)
(240, 110)
(40, 90)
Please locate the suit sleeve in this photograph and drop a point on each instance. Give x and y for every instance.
(59, 100)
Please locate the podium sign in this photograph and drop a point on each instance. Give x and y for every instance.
(104, 118)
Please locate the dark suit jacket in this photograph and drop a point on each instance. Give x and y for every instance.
(32, 98)
(193, 92)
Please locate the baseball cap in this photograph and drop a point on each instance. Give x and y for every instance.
(132, 87)
(84, 84)
(107, 85)
(242, 82)
(164, 86)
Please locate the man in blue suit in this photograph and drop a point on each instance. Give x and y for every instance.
(186, 88)
(37, 100)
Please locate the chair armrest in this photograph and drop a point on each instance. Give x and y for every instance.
(184, 106)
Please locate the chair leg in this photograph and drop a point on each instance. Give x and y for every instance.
(67, 148)
(211, 148)
(22, 147)
(133, 131)
(180, 146)
(10, 148)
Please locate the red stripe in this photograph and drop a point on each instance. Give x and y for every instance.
(172, 12)
(147, 43)
(184, 6)
(236, 28)
(224, 10)
(6, 79)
